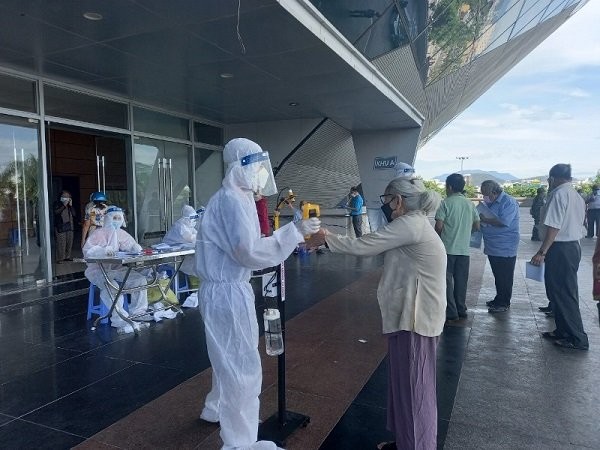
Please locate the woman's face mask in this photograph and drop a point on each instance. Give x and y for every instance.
(64, 199)
(116, 222)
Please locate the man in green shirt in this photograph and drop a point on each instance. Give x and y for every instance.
(455, 219)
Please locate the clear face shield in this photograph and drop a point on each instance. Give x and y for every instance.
(260, 173)
(114, 218)
(193, 220)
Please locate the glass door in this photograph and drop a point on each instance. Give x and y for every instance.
(22, 246)
(163, 172)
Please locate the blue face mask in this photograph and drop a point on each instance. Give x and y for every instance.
(116, 224)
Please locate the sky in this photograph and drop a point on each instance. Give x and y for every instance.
(546, 110)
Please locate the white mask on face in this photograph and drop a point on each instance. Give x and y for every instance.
(65, 199)
(261, 179)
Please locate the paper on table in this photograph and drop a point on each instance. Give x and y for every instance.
(535, 273)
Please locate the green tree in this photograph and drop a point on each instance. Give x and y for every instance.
(433, 186)
(522, 190)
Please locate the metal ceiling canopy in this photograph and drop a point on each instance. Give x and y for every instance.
(203, 58)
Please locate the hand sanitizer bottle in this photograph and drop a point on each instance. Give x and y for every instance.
(273, 334)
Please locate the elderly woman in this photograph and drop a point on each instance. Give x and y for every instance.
(412, 299)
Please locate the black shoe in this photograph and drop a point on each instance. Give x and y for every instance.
(551, 335)
(490, 303)
(545, 308)
(565, 343)
(550, 314)
(498, 308)
(68, 259)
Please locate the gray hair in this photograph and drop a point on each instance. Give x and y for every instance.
(416, 197)
(492, 186)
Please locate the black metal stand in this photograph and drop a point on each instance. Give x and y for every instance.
(279, 426)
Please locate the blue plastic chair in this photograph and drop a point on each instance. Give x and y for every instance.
(99, 309)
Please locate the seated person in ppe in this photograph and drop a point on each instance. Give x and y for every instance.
(183, 232)
(106, 241)
(228, 248)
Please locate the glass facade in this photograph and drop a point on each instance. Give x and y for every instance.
(167, 173)
(163, 185)
(22, 246)
(17, 93)
(161, 124)
(208, 173)
(444, 35)
(208, 134)
(73, 105)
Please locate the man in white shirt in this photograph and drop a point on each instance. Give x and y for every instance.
(562, 220)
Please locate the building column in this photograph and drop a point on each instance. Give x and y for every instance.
(377, 153)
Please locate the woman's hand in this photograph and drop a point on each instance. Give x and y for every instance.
(317, 239)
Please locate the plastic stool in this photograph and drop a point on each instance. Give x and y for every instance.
(181, 286)
(99, 309)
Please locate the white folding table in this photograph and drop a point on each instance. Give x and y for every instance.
(140, 263)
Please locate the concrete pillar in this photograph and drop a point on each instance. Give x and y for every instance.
(377, 153)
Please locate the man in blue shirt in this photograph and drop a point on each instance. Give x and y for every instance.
(499, 215)
(355, 205)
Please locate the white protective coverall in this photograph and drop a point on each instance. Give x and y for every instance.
(228, 247)
(184, 232)
(107, 241)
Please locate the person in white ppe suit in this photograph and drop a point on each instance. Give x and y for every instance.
(228, 248)
(107, 241)
(184, 232)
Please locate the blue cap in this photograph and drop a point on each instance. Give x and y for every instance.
(99, 197)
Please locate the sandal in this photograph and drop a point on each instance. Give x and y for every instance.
(387, 446)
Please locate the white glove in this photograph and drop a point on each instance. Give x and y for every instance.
(110, 252)
(308, 226)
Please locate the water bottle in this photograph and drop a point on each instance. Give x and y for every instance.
(273, 335)
(163, 281)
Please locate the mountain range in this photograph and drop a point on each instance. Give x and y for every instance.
(479, 176)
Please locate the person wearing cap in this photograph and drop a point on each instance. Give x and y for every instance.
(403, 170)
(229, 247)
(104, 242)
(94, 214)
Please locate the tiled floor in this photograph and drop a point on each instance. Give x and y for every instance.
(499, 384)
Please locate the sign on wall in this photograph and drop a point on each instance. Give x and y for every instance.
(384, 162)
